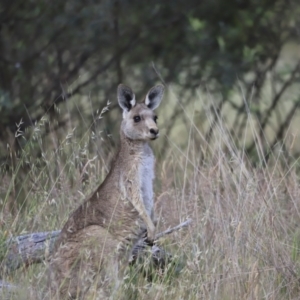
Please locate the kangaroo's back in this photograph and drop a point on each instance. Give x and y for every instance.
(120, 211)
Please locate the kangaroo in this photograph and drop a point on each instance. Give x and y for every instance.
(100, 234)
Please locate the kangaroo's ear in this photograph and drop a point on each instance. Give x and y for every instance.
(126, 97)
(154, 96)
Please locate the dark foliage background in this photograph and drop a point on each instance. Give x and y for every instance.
(61, 61)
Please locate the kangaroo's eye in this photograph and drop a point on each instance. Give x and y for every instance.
(136, 119)
(155, 118)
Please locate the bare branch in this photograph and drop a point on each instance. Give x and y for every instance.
(168, 231)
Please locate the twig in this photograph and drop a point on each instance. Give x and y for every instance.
(168, 231)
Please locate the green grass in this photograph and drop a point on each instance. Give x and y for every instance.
(244, 242)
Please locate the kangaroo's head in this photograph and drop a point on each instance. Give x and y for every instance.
(139, 119)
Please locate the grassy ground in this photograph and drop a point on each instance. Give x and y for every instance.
(244, 242)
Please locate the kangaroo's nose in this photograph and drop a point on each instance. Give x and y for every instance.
(154, 131)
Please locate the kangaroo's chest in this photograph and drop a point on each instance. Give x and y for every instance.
(137, 182)
(146, 176)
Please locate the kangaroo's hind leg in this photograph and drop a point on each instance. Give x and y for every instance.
(89, 252)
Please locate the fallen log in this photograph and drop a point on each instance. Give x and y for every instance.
(28, 249)
(32, 248)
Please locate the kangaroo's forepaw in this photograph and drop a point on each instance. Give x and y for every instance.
(149, 242)
(150, 237)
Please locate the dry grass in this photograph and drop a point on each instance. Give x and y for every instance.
(244, 242)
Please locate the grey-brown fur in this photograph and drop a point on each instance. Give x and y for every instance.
(99, 235)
